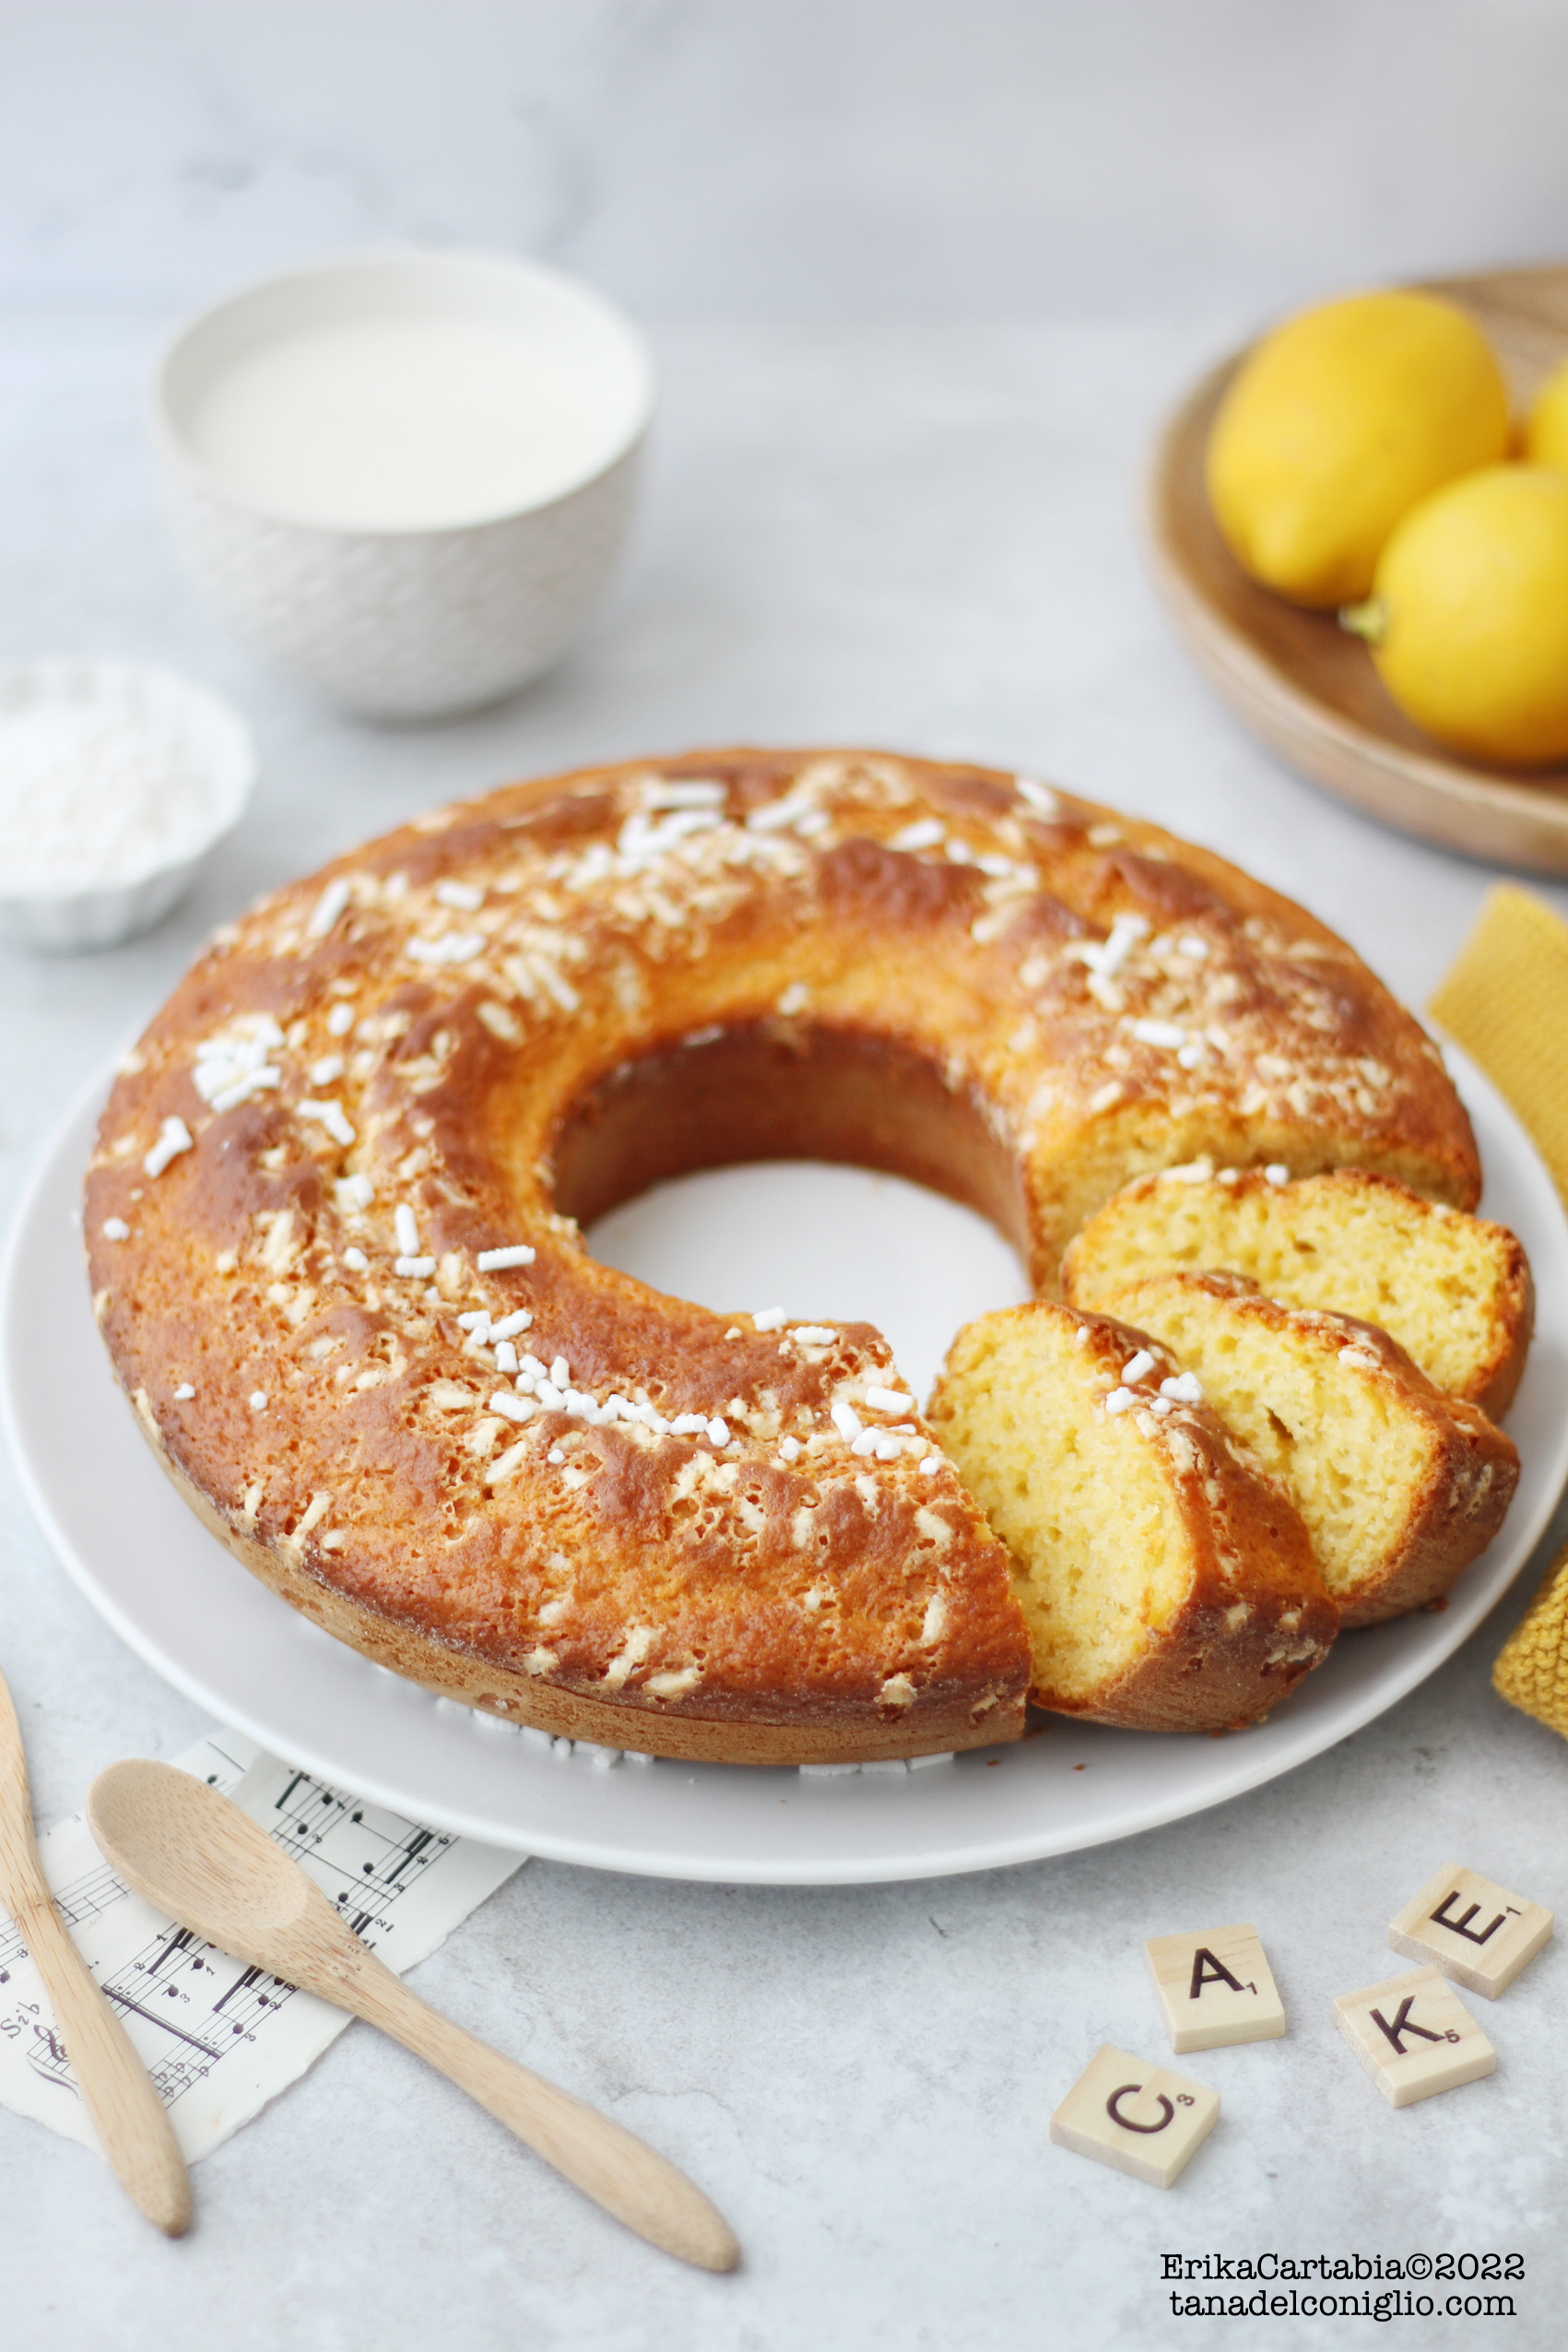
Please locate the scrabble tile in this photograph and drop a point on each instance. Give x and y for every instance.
(1140, 2119)
(1214, 1986)
(1414, 2036)
(1475, 1930)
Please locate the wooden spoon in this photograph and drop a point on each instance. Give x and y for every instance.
(204, 1862)
(138, 2136)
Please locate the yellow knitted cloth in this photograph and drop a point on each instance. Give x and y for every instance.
(1532, 1670)
(1506, 1002)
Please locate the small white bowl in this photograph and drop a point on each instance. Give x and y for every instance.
(156, 711)
(369, 504)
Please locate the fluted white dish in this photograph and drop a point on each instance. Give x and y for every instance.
(405, 623)
(197, 725)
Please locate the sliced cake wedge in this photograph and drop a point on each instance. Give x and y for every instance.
(1454, 1291)
(1400, 1486)
(1168, 1584)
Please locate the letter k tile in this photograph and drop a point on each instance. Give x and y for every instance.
(1414, 2036)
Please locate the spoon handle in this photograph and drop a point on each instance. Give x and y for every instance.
(629, 2179)
(138, 2136)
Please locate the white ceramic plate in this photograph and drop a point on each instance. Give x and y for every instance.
(190, 1610)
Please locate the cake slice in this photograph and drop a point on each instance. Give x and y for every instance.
(1400, 1486)
(1454, 1291)
(1167, 1584)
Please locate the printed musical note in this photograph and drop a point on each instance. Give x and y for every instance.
(221, 2038)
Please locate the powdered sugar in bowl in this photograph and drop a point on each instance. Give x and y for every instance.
(116, 781)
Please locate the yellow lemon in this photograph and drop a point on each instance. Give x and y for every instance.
(1468, 618)
(1545, 434)
(1335, 424)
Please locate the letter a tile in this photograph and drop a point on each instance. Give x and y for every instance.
(1476, 1932)
(1140, 2119)
(1214, 1986)
(1414, 2036)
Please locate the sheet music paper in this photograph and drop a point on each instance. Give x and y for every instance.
(219, 2038)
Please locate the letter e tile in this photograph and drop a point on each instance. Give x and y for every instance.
(1414, 2036)
(1475, 1930)
(1214, 1986)
(1140, 2119)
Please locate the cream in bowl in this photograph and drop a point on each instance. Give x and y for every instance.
(406, 478)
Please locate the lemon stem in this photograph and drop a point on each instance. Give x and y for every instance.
(1368, 620)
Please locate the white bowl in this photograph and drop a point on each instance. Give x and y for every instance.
(367, 476)
(158, 710)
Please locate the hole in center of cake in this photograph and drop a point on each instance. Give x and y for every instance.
(848, 1243)
(700, 1168)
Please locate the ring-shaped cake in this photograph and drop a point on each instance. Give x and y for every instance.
(335, 1222)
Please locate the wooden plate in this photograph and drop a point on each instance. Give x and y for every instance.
(1309, 690)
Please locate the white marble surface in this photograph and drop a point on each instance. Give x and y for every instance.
(865, 522)
(802, 159)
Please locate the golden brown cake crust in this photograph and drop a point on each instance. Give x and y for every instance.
(542, 1001)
